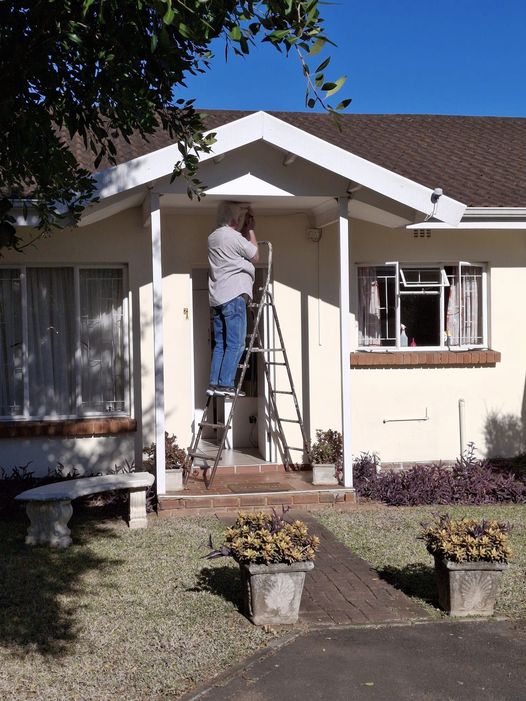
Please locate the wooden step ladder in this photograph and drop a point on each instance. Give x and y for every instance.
(271, 357)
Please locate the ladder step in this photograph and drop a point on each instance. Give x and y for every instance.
(207, 424)
(200, 456)
(255, 305)
(267, 350)
(290, 447)
(271, 362)
(289, 421)
(281, 391)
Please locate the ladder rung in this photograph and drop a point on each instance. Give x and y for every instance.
(281, 391)
(255, 305)
(290, 447)
(200, 456)
(289, 421)
(271, 362)
(267, 350)
(206, 424)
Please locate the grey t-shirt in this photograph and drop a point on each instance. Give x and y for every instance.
(230, 272)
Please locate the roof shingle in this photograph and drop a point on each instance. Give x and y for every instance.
(480, 161)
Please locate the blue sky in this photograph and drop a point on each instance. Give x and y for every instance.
(400, 56)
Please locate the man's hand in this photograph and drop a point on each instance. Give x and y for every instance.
(248, 225)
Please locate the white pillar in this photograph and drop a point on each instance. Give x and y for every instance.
(345, 340)
(158, 344)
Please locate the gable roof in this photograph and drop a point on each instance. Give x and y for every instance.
(119, 185)
(477, 160)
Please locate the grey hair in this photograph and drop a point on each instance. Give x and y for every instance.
(228, 212)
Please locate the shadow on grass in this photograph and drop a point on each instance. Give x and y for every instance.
(416, 579)
(222, 581)
(40, 587)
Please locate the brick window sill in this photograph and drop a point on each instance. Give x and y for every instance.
(68, 428)
(425, 359)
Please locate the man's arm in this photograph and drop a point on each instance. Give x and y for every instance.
(248, 232)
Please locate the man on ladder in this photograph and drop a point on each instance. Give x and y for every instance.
(231, 257)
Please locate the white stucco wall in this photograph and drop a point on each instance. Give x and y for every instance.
(306, 293)
(406, 393)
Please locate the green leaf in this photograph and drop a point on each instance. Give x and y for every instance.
(343, 104)
(169, 14)
(235, 33)
(323, 65)
(184, 30)
(337, 85)
(317, 47)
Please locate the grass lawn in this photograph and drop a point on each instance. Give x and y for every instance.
(385, 536)
(120, 614)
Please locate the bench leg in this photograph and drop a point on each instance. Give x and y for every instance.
(137, 515)
(49, 523)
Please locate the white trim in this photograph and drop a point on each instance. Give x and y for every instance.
(521, 225)
(345, 341)
(158, 343)
(146, 169)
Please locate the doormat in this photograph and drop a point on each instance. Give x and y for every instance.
(247, 488)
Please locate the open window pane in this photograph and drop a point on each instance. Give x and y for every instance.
(11, 345)
(438, 305)
(377, 306)
(102, 340)
(423, 277)
(420, 314)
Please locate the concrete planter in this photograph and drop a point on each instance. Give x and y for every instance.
(272, 593)
(174, 480)
(468, 588)
(324, 474)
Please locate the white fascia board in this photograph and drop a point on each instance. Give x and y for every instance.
(496, 212)
(483, 218)
(158, 164)
(260, 125)
(471, 225)
(359, 170)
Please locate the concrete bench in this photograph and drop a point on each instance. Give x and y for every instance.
(49, 507)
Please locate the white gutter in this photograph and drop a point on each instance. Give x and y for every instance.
(482, 218)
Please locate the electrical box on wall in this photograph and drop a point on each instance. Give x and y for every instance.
(314, 235)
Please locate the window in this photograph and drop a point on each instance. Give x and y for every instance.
(421, 305)
(63, 342)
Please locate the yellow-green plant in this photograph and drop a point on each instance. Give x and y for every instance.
(467, 540)
(260, 538)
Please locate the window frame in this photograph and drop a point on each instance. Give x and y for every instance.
(434, 289)
(127, 343)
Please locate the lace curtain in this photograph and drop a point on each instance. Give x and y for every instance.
(369, 324)
(464, 313)
(53, 335)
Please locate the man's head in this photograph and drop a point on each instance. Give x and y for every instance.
(228, 214)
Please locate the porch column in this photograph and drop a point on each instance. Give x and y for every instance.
(158, 345)
(345, 339)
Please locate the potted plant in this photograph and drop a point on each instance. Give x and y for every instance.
(273, 555)
(174, 461)
(327, 456)
(470, 556)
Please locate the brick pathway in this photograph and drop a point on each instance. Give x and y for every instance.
(343, 589)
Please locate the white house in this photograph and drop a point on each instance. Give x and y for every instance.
(400, 256)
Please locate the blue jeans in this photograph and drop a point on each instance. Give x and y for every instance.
(229, 324)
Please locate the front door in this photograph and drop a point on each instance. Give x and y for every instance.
(249, 429)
